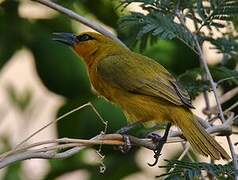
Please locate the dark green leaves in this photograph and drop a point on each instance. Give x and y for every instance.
(193, 82)
(157, 25)
(59, 68)
(161, 20)
(193, 170)
(225, 45)
(10, 37)
(225, 10)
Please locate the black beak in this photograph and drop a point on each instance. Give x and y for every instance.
(65, 38)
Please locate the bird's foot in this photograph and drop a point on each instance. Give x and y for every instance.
(124, 132)
(126, 129)
(159, 141)
(154, 137)
(127, 144)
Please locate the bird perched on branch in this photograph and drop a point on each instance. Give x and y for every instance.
(143, 88)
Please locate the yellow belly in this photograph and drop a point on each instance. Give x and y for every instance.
(136, 107)
(143, 108)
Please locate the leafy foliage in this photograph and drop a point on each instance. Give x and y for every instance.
(220, 9)
(193, 170)
(167, 20)
(194, 83)
(158, 25)
(226, 45)
(7, 33)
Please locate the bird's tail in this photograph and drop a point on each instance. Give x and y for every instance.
(199, 139)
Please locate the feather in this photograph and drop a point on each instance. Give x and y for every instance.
(149, 78)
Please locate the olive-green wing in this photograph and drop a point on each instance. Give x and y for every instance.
(142, 75)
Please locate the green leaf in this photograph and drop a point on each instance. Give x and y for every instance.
(10, 36)
(193, 170)
(219, 73)
(193, 82)
(62, 71)
(201, 9)
(156, 24)
(13, 172)
(174, 55)
(225, 45)
(192, 79)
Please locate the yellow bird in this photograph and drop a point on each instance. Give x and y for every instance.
(143, 88)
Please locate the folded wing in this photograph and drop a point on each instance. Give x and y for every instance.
(143, 75)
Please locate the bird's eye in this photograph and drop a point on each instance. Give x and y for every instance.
(84, 37)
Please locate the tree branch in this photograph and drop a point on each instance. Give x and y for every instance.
(72, 146)
(213, 85)
(224, 98)
(218, 102)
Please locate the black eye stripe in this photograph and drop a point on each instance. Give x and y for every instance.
(84, 37)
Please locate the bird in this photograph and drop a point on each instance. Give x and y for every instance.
(144, 90)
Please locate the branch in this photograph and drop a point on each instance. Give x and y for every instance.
(213, 85)
(218, 102)
(224, 98)
(92, 24)
(72, 146)
(75, 145)
(88, 104)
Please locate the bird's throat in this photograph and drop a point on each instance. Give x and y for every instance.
(88, 54)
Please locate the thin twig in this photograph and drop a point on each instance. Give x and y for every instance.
(213, 85)
(100, 117)
(76, 145)
(36, 150)
(218, 102)
(185, 151)
(231, 107)
(61, 117)
(92, 24)
(226, 79)
(224, 98)
(228, 95)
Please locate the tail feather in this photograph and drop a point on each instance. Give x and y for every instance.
(199, 139)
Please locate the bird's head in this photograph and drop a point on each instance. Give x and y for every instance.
(86, 44)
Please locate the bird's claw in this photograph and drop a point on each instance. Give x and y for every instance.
(159, 141)
(154, 137)
(126, 129)
(156, 157)
(124, 132)
(127, 145)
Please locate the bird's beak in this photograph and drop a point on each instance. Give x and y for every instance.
(65, 38)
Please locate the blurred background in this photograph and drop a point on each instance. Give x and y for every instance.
(41, 79)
